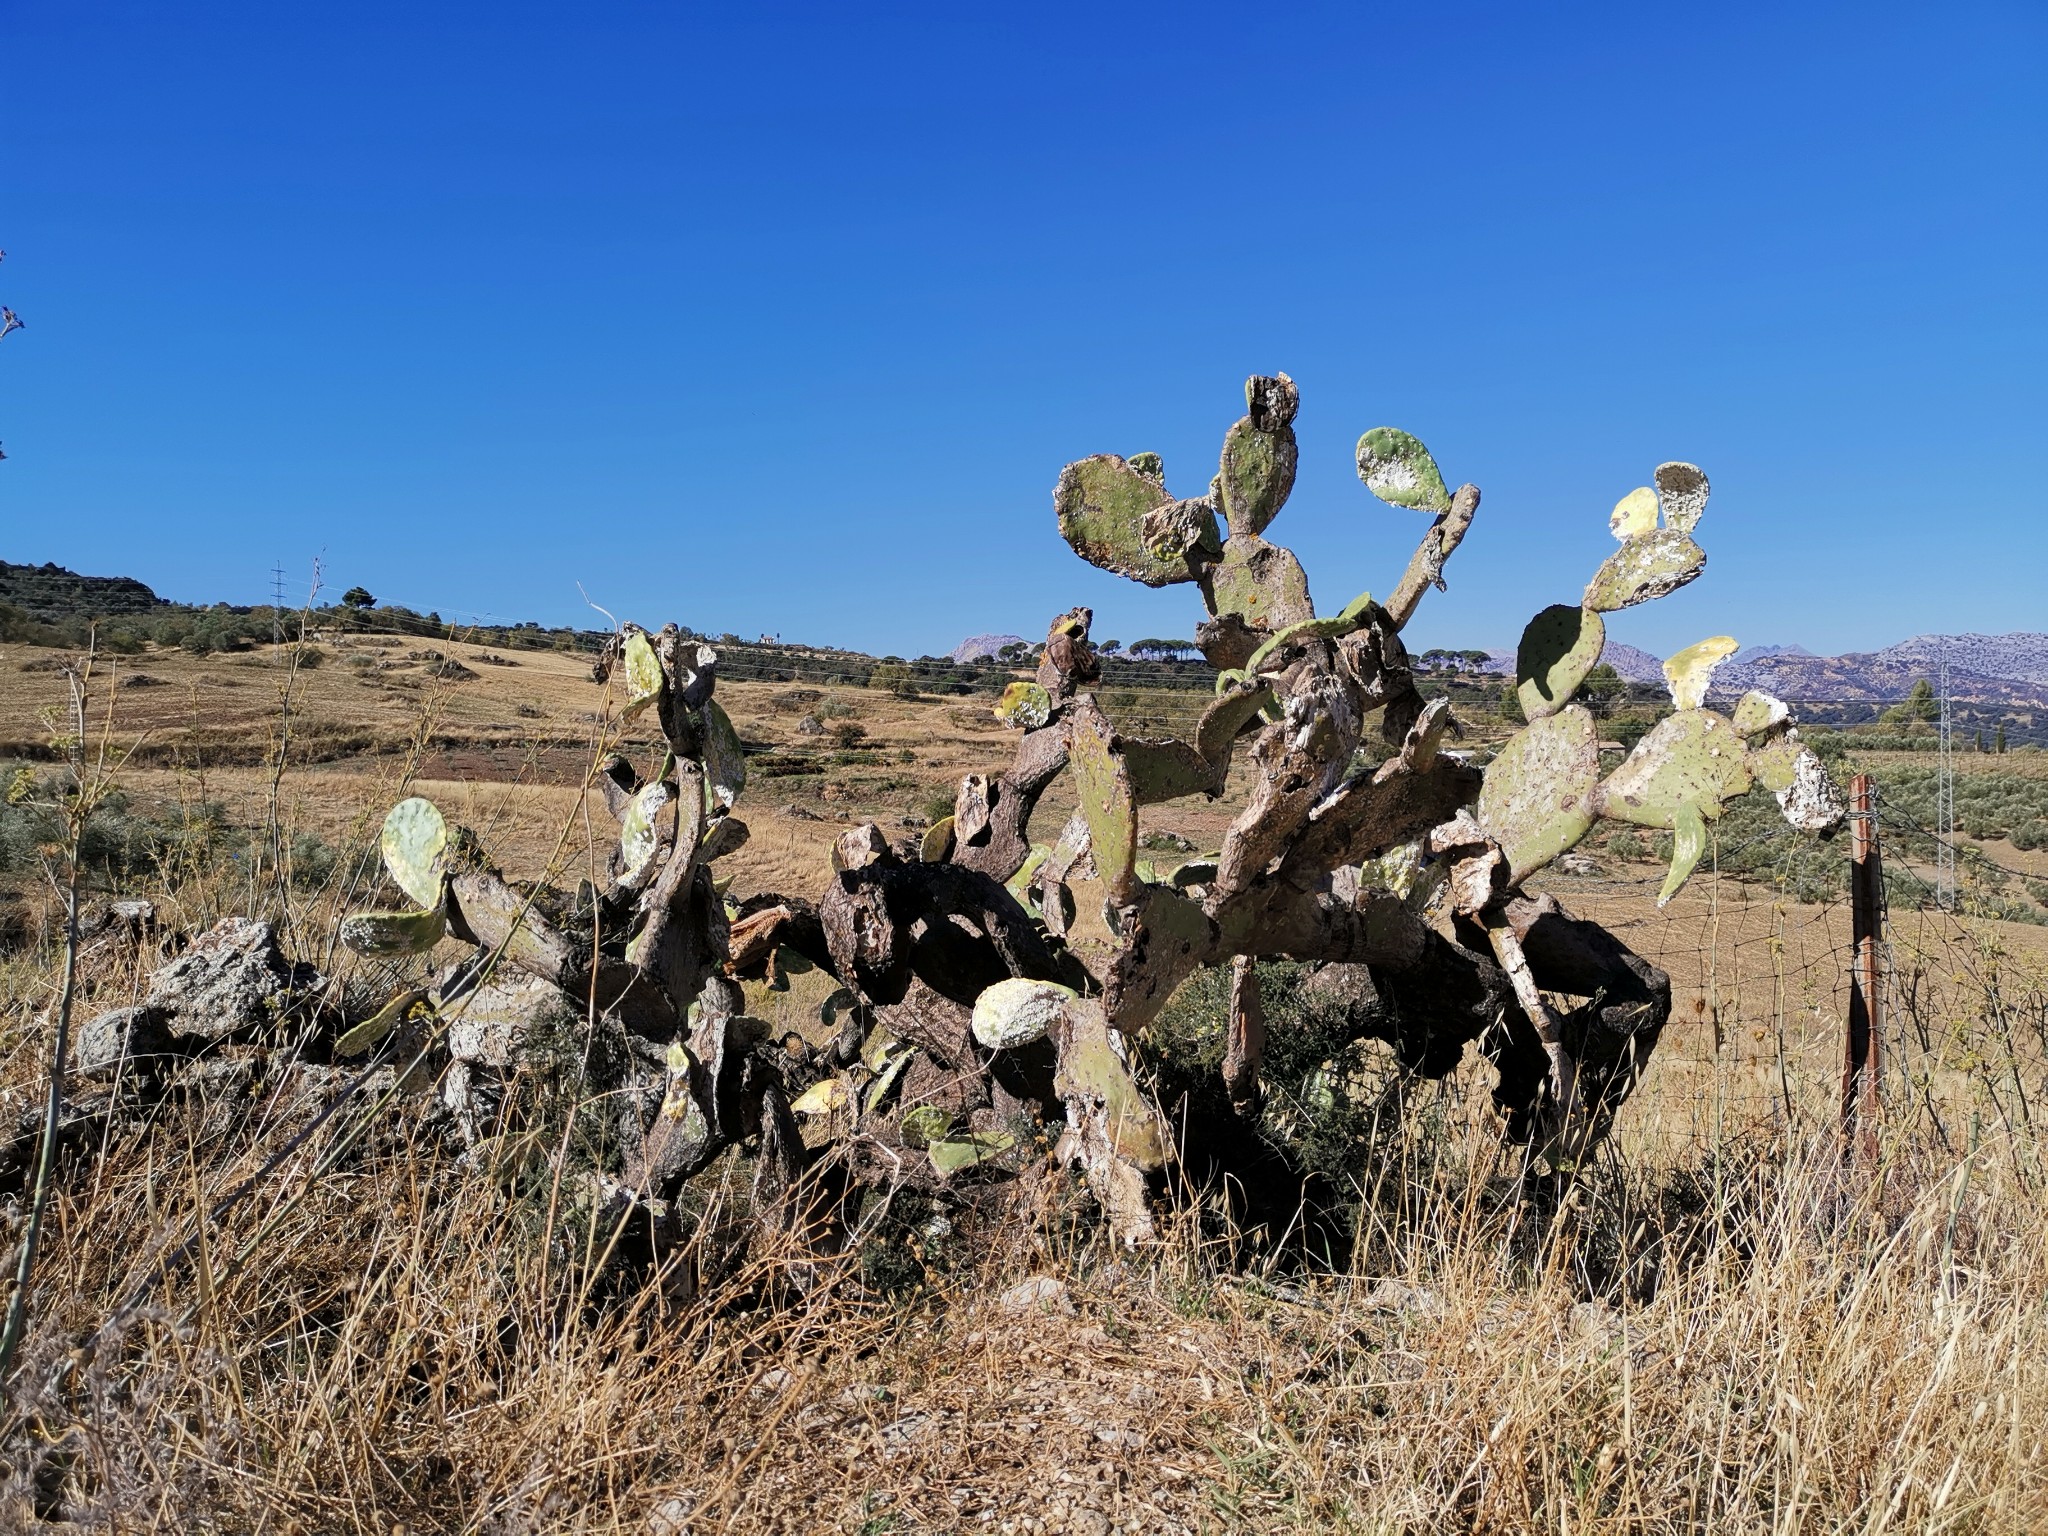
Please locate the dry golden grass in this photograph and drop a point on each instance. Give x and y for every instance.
(1718, 1329)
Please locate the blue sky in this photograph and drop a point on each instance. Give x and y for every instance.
(784, 319)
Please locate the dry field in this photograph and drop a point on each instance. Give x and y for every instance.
(1718, 1329)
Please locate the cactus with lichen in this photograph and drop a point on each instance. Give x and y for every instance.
(971, 1028)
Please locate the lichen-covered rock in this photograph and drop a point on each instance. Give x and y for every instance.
(128, 1041)
(232, 980)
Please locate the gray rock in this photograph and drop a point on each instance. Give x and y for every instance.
(134, 1041)
(233, 980)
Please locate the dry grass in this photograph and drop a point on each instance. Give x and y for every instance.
(1715, 1329)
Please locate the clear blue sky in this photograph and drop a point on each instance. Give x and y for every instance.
(779, 318)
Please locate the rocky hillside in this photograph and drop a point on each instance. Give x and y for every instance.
(48, 593)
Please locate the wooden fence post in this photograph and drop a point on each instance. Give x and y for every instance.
(1863, 1047)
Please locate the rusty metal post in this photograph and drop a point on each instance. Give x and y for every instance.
(1863, 1048)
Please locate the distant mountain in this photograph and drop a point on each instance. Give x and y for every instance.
(2019, 657)
(49, 593)
(1637, 666)
(2010, 671)
(975, 647)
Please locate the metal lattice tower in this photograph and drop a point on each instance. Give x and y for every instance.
(1945, 806)
(277, 605)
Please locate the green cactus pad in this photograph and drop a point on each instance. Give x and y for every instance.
(1224, 720)
(1758, 714)
(1102, 502)
(1261, 583)
(1682, 493)
(415, 844)
(890, 1069)
(644, 678)
(361, 1037)
(1691, 758)
(1398, 469)
(1150, 465)
(641, 828)
(1537, 800)
(1688, 673)
(1163, 770)
(924, 1124)
(938, 841)
(1645, 567)
(1560, 646)
(1018, 1011)
(1335, 627)
(1775, 763)
(1104, 791)
(394, 933)
(1091, 1073)
(725, 760)
(1688, 846)
(1259, 455)
(1019, 884)
(1634, 514)
(957, 1154)
(1024, 706)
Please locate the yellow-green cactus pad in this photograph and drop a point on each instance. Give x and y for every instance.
(1018, 1011)
(885, 1078)
(415, 845)
(1682, 493)
(956, 1154)
(725, 760)
(1634, 514)
(649, 814)
(924, 1124)
(644, 678)
(1758, 714)
(1398, 469)
(394, 933)
(406, 1005)
(1259, 455)
(1560, 646)
(1091, 1074)
(1024, 706)
(1688, 846)
(1688, 673)
(1537, 800)
(824, 1097)
(1645, 567)
(1102, 502)
(1691, 758)
(938, 841)
(1261, 583)
(1104, 791)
